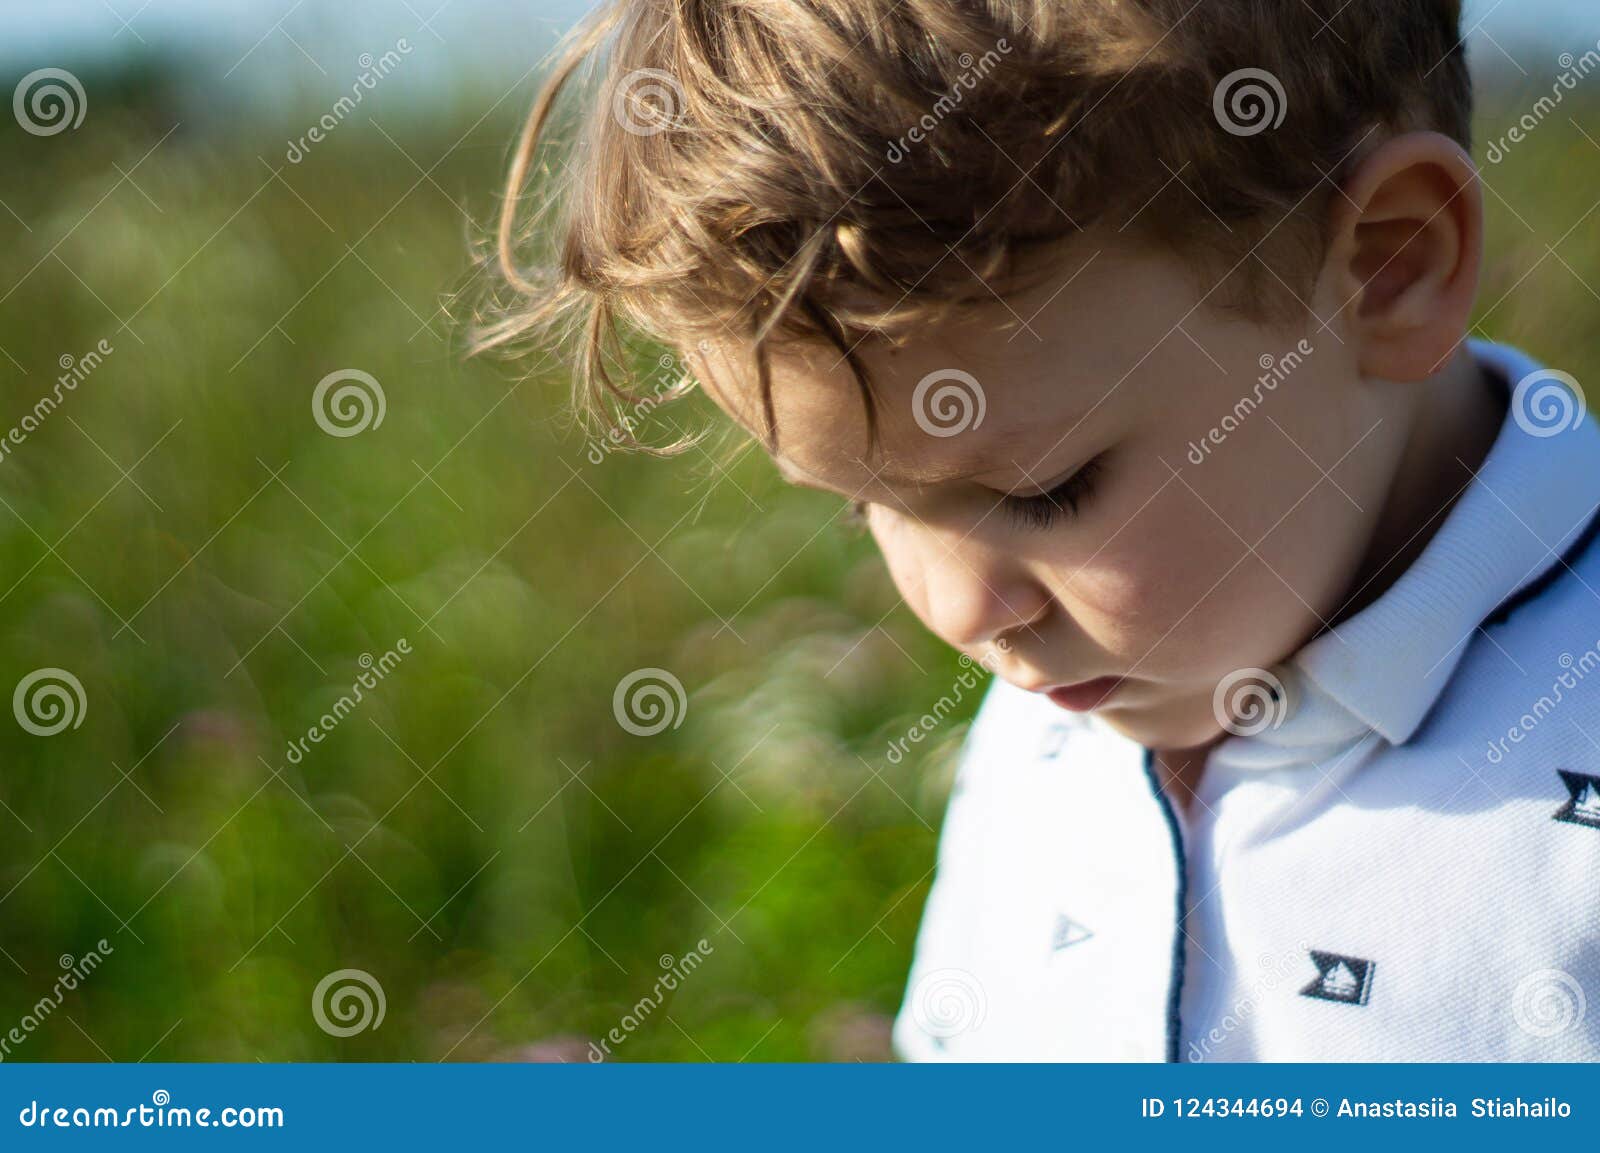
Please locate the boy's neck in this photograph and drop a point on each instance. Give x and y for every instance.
(1454, 418)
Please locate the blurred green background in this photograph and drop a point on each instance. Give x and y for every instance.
(479, 833)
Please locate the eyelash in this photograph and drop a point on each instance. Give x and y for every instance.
(1030, 512)
(1040, 511)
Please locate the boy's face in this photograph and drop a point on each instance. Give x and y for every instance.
(1236, 480)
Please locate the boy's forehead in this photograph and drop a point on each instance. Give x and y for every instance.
(977, 392)
(934, 422)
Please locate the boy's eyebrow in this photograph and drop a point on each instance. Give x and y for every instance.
(939, 474)
(997, 457)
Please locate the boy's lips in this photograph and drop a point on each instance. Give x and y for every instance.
(1086, 695)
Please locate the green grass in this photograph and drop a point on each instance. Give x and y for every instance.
(218, 599)
(479, 833)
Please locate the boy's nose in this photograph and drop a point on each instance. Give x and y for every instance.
(972, 598)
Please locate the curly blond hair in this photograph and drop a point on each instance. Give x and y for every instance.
(844, 169)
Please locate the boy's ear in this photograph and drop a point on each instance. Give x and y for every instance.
(1407, 242)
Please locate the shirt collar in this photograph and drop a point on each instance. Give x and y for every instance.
(1382, 670)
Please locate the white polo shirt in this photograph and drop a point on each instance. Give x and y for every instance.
(1402, 864)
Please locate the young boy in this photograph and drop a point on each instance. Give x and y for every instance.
(1136, 331)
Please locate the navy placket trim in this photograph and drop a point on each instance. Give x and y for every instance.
(1175, 990)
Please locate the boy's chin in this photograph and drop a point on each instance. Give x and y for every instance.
(1180, 723)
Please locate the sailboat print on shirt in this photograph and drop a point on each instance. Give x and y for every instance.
(1344, 979)
(1583, 801)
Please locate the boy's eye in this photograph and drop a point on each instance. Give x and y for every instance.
(1042, 510)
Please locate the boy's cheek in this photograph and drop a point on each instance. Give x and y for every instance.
(1153, 562)
(898, 561)
(1246, 610)
(1184, 602)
